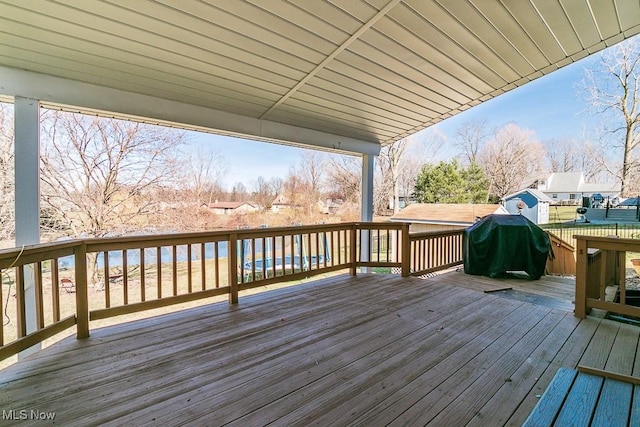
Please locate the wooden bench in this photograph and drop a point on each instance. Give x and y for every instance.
(588, 397)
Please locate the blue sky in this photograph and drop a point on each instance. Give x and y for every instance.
(550, 106)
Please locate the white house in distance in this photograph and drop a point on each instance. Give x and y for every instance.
(281, 204)
(531, 203)
(229, 208)
(444, 216)
(568, 188)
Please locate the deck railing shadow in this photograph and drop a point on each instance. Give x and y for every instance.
(132, 274)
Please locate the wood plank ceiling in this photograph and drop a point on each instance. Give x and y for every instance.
(373, 70)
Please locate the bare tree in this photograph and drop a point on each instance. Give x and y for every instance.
(594, 162)
(263, 193)
(345, 175)
(96, 172)
(389, 162)
(511, 156)
(239, 193)
(7, 178)
(203, 171)
(612, 88)
(470, 138)
(277, 185)
(562, 155)
(312, 170)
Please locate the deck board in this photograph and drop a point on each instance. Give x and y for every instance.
(365, 350)
(523, 380)
(568, 357)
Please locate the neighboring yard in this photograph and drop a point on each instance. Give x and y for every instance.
(562, 225)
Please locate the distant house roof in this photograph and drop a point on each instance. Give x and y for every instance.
(564, 182)
(280, 199)
(227, 205)
(446, 213)
(572, 182)
(535, 193)
(605, 187)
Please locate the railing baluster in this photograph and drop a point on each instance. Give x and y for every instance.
(273, 255)
(232, 259)
(239, 246)
(159, 271)
(325, 243)
(143, 275)
(353, 253)
(283, 250)
(264, 259)
(253, 260)
(125, 278)
(20, 302)
(580, 310)
(216, 264)
(82, 295)
(174, 269)
(203, 268)
(38, 295)
(309, 250)
(107, 281)
(55, 290)
(317, 236)
(189, 272)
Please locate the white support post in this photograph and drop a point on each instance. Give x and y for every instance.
(366, 208)
(367, 187)
(27, 195)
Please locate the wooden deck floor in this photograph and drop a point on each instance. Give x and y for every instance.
(365, 351)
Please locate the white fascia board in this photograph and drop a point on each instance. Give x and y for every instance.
(73, 95)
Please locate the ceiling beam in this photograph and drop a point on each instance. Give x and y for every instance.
(355, 36)
(73, 95)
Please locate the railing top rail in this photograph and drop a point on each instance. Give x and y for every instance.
(415, 236)
(33, 253)
(169, 239)
(380, 225)
(148, 241)
(608, 239)
(292, 230)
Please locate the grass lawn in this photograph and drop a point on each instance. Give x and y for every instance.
(558, 214)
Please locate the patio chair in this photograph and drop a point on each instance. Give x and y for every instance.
(68, 285)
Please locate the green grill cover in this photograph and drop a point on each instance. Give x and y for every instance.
(500, 243)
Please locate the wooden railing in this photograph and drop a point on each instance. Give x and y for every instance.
(601, 262)
(433, 251)
(78, 281)
(32, 270)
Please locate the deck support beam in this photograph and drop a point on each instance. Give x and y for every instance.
(27, 195)
(72, 95)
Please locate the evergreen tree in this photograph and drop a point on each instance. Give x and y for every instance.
(448, 182)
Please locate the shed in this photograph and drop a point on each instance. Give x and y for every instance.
(532, 204)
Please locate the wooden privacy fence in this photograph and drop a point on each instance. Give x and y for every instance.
(76, 281)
